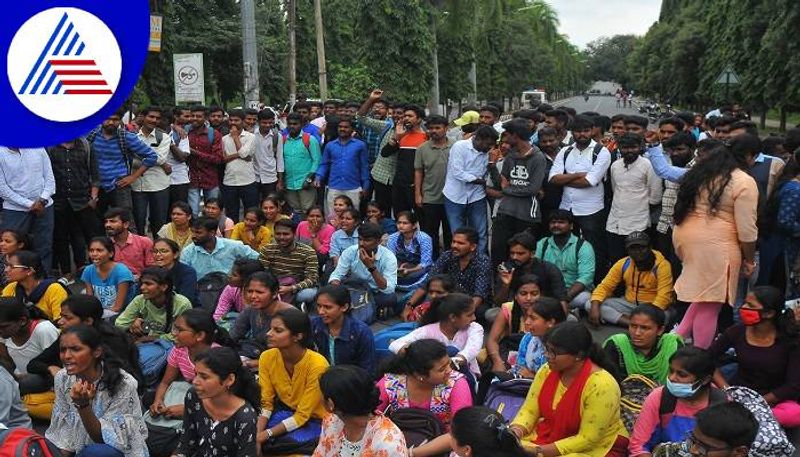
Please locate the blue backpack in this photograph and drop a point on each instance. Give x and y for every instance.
(386, 336)
(507, 397)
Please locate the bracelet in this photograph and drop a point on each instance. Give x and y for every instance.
(81, 405)
(269, 433)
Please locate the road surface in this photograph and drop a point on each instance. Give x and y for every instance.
(603, 104)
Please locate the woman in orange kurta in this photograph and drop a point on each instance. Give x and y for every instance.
(715, 234)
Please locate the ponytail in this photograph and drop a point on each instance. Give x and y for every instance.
(418, 358)
(201, 320)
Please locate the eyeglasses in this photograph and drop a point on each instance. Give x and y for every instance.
(699, 448)
(551, 352)
(160, 251)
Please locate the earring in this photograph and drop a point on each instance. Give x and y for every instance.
(421, 379)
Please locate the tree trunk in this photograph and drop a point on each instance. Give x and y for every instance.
(784, 113)
(433, 104)
(323, 73)
(291, 15)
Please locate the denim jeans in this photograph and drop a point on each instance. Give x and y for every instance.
(194, 197)
(39, 227)
(156, 204)
(472, 215)
(233, 195)
(593, 229)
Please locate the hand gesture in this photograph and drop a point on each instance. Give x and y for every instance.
(375, 94)
(126, 181)
(505, 275)
(82, 392)
(367, 258)
(399, 130)
(157, 408)
(137, 327)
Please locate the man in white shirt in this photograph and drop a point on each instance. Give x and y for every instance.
(150, 192)
(26, 186)
(581, 168)
(268, 158)
(636, 188)
(465, 183)
(239, 183)
(179, 152)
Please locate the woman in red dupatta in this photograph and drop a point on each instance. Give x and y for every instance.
(572, 407)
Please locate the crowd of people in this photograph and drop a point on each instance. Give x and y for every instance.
(193, 282)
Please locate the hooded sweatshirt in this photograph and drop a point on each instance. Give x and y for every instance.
(652, 286)
(525, 176)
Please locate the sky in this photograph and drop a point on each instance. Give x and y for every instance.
(586, 20)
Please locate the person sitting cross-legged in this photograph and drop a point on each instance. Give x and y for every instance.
(648, 279)
(294, 264)
(369, 263)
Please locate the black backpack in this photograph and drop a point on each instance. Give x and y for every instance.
(608, 191)
(209, 288)
(418, 425)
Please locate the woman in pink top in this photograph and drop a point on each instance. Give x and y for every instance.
(451, 320)
(230, 300)
(315, 232)
(195, 332)
(422, 377)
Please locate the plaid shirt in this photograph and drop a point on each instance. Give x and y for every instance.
(373, 140)
(384, 167)
(204, 159)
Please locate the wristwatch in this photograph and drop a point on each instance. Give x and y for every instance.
(371, 269)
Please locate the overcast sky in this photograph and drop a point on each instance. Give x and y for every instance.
(586, 20)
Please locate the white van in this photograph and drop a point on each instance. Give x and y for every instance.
(533, 98)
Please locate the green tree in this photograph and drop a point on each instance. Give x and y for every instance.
(606, 58)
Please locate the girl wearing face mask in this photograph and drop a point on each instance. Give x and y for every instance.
(510, 323)
(767, 351)
(668, 411)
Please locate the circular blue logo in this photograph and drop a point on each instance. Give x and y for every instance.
(68, 67)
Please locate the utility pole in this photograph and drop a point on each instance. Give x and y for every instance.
(292, 16)
(434, 102)
(472, 76)
(323, 73)
(250, 54)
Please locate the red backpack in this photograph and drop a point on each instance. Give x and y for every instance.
(24, 442)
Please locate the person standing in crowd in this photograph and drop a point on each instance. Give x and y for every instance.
(132, 250)
(581, 169)
(558, 119)
(26, 187)
(301, 156)
(408, 135)
(179, 153)
(380, 109)
(636, 189)
(715, 234)
(384, 167)
(551, 200)
(216, 119)
(74, 166)
(239, 182)
(521, 181)
(573, 256)
(464, 188)
(95, 412)
(430, 168)
(302, 109)
(205, 156)
(344, 168)
(209, 253)
(268, 158)
(150, 193)
(122, 158)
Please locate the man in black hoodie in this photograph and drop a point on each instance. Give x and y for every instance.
(521, 178)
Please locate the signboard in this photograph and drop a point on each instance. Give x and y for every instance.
(189, 79)
(156, 21)
(728, 76)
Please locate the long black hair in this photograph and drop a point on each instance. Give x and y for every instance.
(351, 388)
(712, 174)
(418, 358)
(442, 308)
(486, 432)
(575, 339)
(111, 373)
(31, 260)
(773, 300)
(201, 320)
(298, 323)
(516, 311)
(224, 362)
(89, 306)
(12, 309)
(163, 277)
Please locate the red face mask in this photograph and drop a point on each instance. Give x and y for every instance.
(749, 316)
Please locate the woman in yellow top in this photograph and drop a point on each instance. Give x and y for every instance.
(251, 230)
(271, 207)
(180, 229)
(291, 398)
(27, 283)
(572, 407)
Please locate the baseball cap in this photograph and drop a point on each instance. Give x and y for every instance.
(469, 117)
(637, 238)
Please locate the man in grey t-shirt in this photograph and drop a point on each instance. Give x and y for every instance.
(430, 168)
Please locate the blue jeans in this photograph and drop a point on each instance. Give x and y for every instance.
(39, 227)
(194, 197)
(232, 195)
(472, 215)
(99, 450)
(154, 203)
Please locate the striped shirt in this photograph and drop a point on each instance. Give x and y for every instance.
(179, 358)
(112, 163)
(384, 167)
(300, 262)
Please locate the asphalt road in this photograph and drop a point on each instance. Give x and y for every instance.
(603, 104)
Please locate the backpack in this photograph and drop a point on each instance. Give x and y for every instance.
(669, 402)
(38, 292)
(633, 391)
(418, 425)
(386, 336)
(209, 132)
(771, 440)
(132, 162)
(578, 247)
(627, 264)
(306, 141)
(507, 397)
(24, 442)
(608, 191)
(209, 288)
(362, 301)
